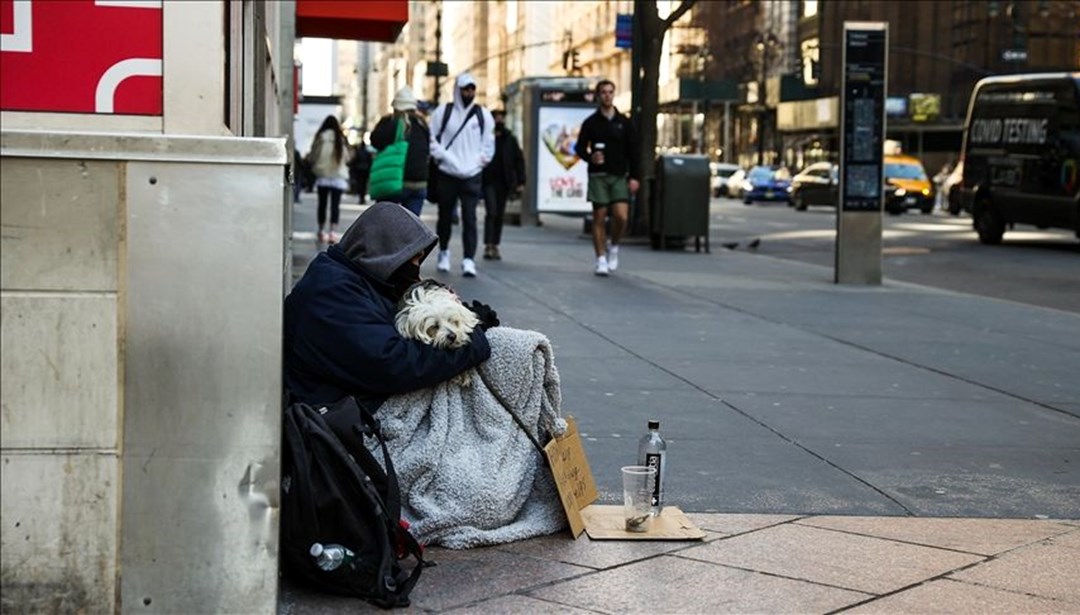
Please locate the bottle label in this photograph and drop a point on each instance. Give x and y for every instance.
(653, 460)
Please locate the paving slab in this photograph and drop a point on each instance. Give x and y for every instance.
(670, 584)
(977, 536)
(596, 554)
(951, 597)
(1044, 570)
(860, 563)
(519, 605)
(731, 524)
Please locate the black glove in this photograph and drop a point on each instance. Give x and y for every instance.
(488, 317)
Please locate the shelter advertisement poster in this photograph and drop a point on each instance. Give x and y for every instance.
(561, 177)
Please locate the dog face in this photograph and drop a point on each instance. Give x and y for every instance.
(432, 313)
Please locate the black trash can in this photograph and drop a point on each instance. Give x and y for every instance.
(680, 203)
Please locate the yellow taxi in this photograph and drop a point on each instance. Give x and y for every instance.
(907, 186)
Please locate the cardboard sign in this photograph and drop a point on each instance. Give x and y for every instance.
(608, 523)
(573, 478)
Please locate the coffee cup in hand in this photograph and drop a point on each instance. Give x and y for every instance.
(598, 153)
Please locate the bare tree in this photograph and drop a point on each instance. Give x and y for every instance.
(650, 43)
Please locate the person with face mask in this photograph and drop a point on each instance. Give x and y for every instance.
(462, 144)
(503, 177)
(339, 333)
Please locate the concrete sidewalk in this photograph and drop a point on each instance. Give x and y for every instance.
(885, 449)
(761, 564)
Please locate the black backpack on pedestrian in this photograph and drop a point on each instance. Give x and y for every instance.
(334, 492)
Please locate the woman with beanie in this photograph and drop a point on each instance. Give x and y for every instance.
(329, 157)
(402, 140)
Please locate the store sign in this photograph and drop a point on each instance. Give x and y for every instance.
(863, 119)
(925, 107)
(81, 56)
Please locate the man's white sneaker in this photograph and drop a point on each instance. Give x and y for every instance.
(602, 267)
(468, 268)
(613, 257)
(444, 261)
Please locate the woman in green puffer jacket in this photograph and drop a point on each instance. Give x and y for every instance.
(408, 170)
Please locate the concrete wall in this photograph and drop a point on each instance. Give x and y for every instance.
(140, 302)
(144, 265)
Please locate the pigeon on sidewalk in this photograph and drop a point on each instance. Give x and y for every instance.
(753, 245)
(731, 245)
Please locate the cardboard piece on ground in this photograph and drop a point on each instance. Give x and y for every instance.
(607, 523)
(573, 478)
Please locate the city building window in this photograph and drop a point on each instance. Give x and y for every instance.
(811, 55)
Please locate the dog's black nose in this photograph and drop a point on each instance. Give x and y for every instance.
(451, 337)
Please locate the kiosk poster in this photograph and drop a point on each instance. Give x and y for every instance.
(562, 177)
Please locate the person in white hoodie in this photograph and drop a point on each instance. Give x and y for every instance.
(462, 144)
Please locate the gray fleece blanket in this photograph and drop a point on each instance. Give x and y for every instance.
(469, 475)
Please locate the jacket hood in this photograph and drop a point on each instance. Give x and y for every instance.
(385, 237)
(462, 80)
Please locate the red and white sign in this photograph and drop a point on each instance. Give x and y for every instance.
(81, 56)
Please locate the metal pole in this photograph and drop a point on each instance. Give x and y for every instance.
(764, 111)
(727, 131)
(438, 48)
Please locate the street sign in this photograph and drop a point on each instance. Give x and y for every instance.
(1014, 55)
(863, 119)
(437, 69)
(862, 142)
(624, 31)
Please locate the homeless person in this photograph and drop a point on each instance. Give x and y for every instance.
(339, 318)
(469, 474)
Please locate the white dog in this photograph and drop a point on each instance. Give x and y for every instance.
(432, 313)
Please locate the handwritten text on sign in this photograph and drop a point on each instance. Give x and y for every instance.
(573, 478)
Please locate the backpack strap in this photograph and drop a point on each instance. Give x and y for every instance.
(474, 111)
(445, 120)
(350, 421)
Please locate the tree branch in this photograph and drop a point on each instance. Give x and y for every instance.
(676, 14)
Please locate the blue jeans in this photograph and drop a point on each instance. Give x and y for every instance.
(413, 199)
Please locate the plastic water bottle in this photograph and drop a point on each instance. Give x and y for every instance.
(652, 452)
(331, 557)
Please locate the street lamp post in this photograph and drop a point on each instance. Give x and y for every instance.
(766, 44)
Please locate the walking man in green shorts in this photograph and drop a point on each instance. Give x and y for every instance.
(607, 141)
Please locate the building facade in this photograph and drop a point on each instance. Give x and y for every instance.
(937, 52)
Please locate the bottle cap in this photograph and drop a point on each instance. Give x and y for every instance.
(654, 424)
(316, 549)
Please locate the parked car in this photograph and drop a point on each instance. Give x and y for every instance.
(1020, 150)
(907, 186)
(951, 198)
(817, 184)
(735, 183)
(721, 172)
(766, 184)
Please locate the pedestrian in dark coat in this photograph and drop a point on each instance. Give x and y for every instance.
(503, 176)
(339, 329)
(360, 171)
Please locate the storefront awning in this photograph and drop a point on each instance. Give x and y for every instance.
(371, 20)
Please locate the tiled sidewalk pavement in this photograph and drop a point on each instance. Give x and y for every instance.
(763, 564)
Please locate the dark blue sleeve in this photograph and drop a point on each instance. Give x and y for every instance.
(348, 337)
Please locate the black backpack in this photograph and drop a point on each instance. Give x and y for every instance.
(334, 492)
